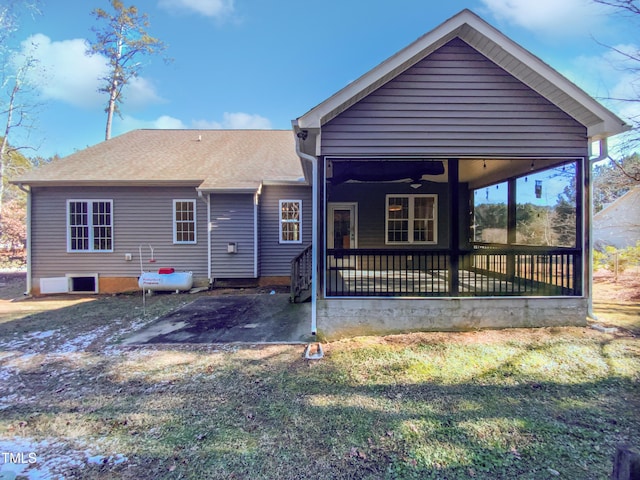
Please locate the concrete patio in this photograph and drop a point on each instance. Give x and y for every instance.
(258, 318)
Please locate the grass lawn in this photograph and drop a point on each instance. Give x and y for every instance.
(523, 403)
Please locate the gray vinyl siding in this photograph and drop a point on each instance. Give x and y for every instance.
(232, 221)
(455, 103)
(275, 258)
(141, 217)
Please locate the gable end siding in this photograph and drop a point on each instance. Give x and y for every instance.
(455, 102)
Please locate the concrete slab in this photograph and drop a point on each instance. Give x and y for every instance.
(232, 319)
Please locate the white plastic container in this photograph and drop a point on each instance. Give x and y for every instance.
(166, 282)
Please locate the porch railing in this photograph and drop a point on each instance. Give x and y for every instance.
(301, 276)
(486, 270)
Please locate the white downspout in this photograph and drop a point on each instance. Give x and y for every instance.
(29, 240)
(255, 233)
(604, 154)
(314, 233)
(207, 199)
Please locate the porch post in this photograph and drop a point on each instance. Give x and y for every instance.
(454, 226)
(583, 216)
(511, 227)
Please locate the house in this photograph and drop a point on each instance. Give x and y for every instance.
(618, 224)
(204, 201)
(374, 202)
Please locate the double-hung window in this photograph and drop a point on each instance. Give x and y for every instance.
(290, 221)
(411, 219)
(184, 221)
(90, 225)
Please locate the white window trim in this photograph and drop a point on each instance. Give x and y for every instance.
(195, 222)
(89, 201)
(289, 242)
(411, 218)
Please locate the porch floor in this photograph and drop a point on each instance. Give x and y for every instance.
(355, 282)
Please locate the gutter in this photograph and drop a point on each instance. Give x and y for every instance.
(301, 135)
(604, 154)
(29, 243)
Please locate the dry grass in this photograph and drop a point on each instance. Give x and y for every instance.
(525, 403)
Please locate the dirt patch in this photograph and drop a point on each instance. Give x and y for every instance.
(12, 285)
(624, 288)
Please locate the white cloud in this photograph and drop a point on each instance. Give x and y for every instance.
(231, 121)
(550, 17)
(163, 122)
(67, 74)
(208, 8)
(235, 121)
(140, 92)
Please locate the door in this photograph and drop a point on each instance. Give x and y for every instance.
(342, 231)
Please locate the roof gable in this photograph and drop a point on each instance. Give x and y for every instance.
(526, 67)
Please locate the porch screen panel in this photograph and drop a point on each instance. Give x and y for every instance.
(398, 219)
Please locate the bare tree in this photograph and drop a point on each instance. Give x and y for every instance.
(630, 64)
(17, 103)
(123, 40)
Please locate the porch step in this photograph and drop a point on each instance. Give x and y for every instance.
(302, 296)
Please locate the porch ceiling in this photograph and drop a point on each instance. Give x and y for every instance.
(478, 172)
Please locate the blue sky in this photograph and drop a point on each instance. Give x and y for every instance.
(260, 64)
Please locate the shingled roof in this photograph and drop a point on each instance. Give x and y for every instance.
(211, 160)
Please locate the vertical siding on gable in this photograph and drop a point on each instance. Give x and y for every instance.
(232, 221)
(455, 102)
(275, 258)
(141, 217)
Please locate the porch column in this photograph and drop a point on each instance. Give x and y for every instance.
(511, 227)
(454, 226)
(584, 215)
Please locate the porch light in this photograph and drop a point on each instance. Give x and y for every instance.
(395, 208)
(415, 185)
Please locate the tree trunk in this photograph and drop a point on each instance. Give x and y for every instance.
(4, 158)
(111, 108)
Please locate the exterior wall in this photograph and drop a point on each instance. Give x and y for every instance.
(351, 317)
(454, 103)
(142, 216)
(233, 220)
(371, 210)
(275, 258)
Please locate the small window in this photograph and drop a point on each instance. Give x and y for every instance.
(290, 221)
(90, 225)
(411, 219)
(184, 221)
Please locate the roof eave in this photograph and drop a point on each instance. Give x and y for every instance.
(105, 183)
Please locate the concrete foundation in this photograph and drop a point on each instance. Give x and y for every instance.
(338, 318)
(111, 285)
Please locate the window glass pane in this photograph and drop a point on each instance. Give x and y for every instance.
(490, 214)
(185, 222)
(398, 219)
(290, 221)
(90, 226)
